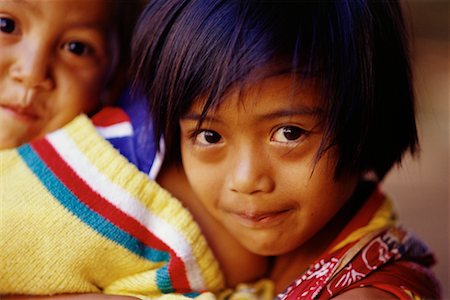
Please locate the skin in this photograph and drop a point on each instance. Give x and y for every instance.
(257, 176)
(57, 58)
(252, 165)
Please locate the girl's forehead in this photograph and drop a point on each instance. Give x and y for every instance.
(285, 90)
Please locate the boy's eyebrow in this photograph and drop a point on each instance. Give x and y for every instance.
(35, 8)
(29, 4)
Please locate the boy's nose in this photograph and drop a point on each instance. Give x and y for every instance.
(250, 173)
(31, 67)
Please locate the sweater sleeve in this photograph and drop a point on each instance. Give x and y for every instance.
(78, 217)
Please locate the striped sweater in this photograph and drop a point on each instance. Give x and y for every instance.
(77, 217)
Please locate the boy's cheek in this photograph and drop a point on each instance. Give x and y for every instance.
(12, 134)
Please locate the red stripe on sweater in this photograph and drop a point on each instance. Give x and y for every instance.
(110, 212)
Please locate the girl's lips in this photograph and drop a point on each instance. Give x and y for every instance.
(22, 114)
(262, 219)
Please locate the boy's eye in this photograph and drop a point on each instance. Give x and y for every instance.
(207, 137)
(77, 48)
(7, 25)
(288, 134)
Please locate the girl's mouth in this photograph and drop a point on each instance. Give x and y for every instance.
(259, 220)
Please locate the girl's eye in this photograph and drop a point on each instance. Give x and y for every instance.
(288, 134)
(207, 137)
(77, 48)
(7, 25)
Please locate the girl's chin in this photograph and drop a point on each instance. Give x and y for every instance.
(266, 246)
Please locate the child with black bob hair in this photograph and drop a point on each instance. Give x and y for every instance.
(285, 116)
(81, 214)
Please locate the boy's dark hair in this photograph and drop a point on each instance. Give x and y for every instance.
(357, 51)
(123, 16)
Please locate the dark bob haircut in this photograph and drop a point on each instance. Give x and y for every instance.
(357, 50)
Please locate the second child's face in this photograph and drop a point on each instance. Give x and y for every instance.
(252, 165)
(56, 57)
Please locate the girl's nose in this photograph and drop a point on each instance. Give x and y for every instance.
(251, 173)
(32, 67)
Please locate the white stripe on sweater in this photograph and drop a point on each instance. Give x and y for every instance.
(131, 206)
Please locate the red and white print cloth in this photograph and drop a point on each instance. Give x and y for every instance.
(388, 258)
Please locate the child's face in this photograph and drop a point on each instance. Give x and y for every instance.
(252, 165)
(56, 57)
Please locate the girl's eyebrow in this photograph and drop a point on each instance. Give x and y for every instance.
(282, 113)
(194, 116)
(300, 111)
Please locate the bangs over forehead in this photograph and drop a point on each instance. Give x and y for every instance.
(355, 50)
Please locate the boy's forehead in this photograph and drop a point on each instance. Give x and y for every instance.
(89, 12)
(98, 11)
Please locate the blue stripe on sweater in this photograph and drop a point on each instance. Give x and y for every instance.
(192, 295)
(163, 280)
(92, 218)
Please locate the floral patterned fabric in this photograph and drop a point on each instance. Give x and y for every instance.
(370, 252)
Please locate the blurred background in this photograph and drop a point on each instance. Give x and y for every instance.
(421, 188)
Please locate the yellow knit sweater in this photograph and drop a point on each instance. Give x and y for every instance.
(77, 217)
